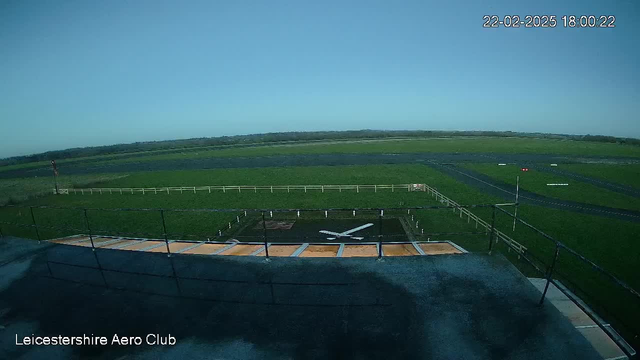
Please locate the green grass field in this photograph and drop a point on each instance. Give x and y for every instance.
(610, 243)
(20, 189)
(621, 174)
(436, 145)
(536, 181)
(556, 222)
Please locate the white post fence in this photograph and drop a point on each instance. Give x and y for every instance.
(519, 248)
(224, 188)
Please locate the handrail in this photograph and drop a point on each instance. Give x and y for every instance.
(576, 254)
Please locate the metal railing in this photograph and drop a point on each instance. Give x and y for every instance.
(239, 214)
(550, 269)
(494, 235)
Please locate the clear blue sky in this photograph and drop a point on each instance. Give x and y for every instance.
(80, 73)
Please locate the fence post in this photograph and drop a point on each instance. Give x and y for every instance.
(164, 231)
(264, 236)
(86, 220)
(379, 234)
(34, 223)
(493, 228)
(549, 274)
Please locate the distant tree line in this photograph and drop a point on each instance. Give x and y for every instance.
(288, 137)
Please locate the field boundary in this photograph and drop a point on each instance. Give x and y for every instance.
(240, 188)
(519, 248)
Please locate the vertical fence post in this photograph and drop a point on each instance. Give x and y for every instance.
(264, 236)
(493, 228)
(86, 221)
(33, 218)
(379, 234)
(164, 232)
(550, 273)
(515, 212)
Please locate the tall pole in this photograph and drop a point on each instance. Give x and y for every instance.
(379, 234)
(493, 228)
(55, 175)
(35, 226)
(86, 220)
(164, 231)
(515, 213)
(264, 237)
(549, 274)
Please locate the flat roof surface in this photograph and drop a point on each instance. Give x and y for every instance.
(232, 307)
(323, 249)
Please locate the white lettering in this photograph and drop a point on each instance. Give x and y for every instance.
(126, 340)
(156, 339)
